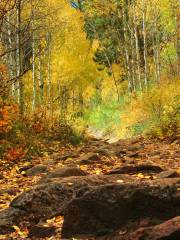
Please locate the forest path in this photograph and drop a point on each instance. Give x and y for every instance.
(139, 158)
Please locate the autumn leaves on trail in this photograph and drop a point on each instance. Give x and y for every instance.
(71, 71)
(75, 170)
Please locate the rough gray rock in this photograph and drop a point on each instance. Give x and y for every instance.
(168, 174)
(36, 170)
(8, 218)
(63, 172)
(113, 206)
(133, 169)
(89, 158)
(50, 199)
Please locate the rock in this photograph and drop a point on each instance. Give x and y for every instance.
(120, 153)
(58, 158)
(113, 206)
(105, 151)
(168, 174)
(130, 161)
(25, 168)
(48, 200)
(89, 158)
(8, 218)
(133, 169)
(133, 155)
(41, 232)
(63, 172)
(168, 230)
(36, 170)
(134, 148)
(136, 140)
(10, 191)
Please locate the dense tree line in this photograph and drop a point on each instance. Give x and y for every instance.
(63, 55)
(135, 34)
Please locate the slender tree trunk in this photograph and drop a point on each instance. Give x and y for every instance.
(178, 36)
(145, 45)
(11, 73)
(59, 92)
(20, 58)
(137, 47)
(81, 102)
(133, 55)
(40, 78)
(157, 52)
(33, 67)
(154, 58)
(49, 70)
(73, 101)
(126, 50)
(133, 63)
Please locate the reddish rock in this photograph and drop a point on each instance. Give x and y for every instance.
(168, 230)
(89, 158)
(50, 199)
(113, 206)
(63, 172)
(36, 170)
(133, 169)
(168, 174)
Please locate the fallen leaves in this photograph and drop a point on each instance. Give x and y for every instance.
(18, 232)
(14, 154)
(14, 178)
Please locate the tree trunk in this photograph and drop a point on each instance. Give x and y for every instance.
(20, 58)
(40, 77)
(145, 45)
(137, 47)
(33, 67)
(10, 57)
(49, 70)
(178, 36)
(126, 50)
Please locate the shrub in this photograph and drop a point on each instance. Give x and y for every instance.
(155, 112)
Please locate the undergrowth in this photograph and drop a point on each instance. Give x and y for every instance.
(28, 135)
(154, 113)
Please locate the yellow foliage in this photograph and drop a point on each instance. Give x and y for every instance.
(157, 107)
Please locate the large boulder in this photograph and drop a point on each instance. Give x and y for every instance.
(50, 199)
(114, 206)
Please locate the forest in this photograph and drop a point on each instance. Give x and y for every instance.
(90, 119)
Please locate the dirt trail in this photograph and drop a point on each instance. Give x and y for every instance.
(139, 158)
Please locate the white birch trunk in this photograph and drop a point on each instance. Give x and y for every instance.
(145, 45)
(33, 67)
(137, 48)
